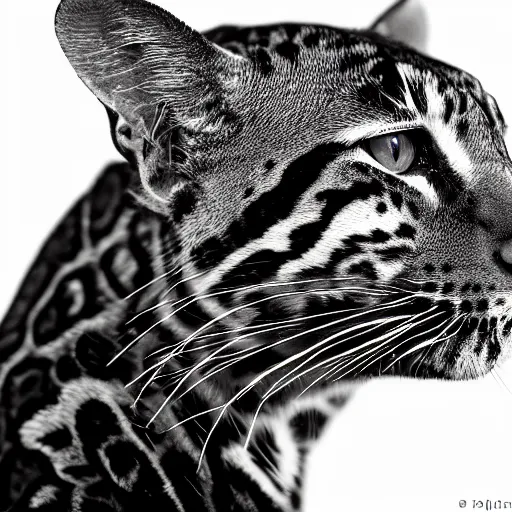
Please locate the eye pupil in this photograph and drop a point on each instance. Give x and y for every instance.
(394, 151)
(395, 148)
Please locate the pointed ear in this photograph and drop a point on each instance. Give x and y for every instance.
(151, 71)
(404, 21)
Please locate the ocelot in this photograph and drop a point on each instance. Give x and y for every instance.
(301, 208)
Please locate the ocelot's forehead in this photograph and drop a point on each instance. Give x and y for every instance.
(312, 85)
(319, 84)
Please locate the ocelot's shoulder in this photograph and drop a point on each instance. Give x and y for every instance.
(85, 223)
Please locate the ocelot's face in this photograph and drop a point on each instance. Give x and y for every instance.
(340, 206)
(380, 186)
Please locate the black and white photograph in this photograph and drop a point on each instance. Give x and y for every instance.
(256, 257)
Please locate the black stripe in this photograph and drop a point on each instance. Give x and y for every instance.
(184, 201)
(306, 236)
(350, 248)
(405, 231)
(493, 349)
(463, 103)
(394, 252)
(271, 207)
(391, 81)
(288, 50)
(263, 264)
(307, 425)
(448, 109)
(262, 60)
(364, 268)
(312, 39)
(462, 128)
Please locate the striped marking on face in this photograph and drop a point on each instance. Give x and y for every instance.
(442, 128)
(358, 218)
(442, 115)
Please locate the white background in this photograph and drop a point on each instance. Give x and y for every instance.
(55, 138)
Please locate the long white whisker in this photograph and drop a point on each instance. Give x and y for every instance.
(216, 408)
(389, 306)
(272, 390)
(189, 418)
(388, 336)
(220, 317)
(281, 323)
(162, 303)
(222, 342)
(394, 348)
(429, 342)
(173, 271)
(378, 292)
(145, 386)
(230, 312)
(381, 355)
(279, 295)
(271, 370)
(256, 350)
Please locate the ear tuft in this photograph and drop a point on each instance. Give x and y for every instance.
(404, 21)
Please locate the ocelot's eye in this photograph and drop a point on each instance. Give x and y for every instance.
(394, 151)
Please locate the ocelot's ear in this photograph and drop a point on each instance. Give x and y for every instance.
(404, 21)
(152, 72)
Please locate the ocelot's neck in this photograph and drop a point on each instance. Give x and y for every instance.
(193, 335)
(164, 317)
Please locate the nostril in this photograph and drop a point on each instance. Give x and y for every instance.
(506, 252)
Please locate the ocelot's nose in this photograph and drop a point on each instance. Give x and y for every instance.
(506, 252)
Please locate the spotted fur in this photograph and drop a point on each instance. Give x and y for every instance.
(251, 251)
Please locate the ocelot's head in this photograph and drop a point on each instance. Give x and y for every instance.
(339, 204)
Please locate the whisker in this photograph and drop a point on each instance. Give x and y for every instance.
(162, 303)
(153, 281)
(183, 343)
(497, 377)
(268, 372)
(254, 327)
(334, 358)
(207, 345)
(145, 386)
(220, 317)
(397, 331)
(189, 418)
(389, 336)
(382, 346)
(393, 349)
(429, 342)
(266, 347)
(384, 291)
(413, 337)
(265, 299)
(224, 406)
